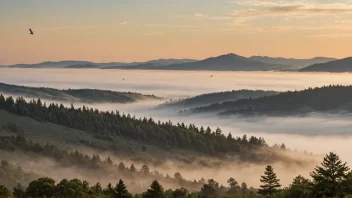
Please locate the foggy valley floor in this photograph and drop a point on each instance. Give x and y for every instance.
(318, 133)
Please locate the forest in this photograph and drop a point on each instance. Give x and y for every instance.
(218, 97)
(75, 95)
(165, 135)
(332, 178)
(288, 103)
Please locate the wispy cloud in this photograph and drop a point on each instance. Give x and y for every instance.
(200, 15)
(291, 10)
(298, 9)
(124, 23)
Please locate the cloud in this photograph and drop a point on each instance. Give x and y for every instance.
(124, 23)
(297, 10)
(200, 15)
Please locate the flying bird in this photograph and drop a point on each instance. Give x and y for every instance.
(30, 31)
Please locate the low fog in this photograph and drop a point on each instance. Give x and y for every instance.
(317, 133)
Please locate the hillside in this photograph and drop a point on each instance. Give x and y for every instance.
(228, 62)
(86, 65)
(325, 99)
(167, 136)
(75, 95)
(342, 65)
(298, 63)
(218, 97)
(138, 66)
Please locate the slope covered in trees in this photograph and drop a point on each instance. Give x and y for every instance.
(298, 63)
(324, 99)
(88, 166)
(341, 65)
(330, 179)
(75, 95)
(165, 135)
(218, 97)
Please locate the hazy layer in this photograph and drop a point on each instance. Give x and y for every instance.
(169, 83)
(317, 133)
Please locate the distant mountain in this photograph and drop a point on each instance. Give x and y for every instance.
(218, 97)
(87, 65)
(75, 95)
(298, 63)
(138, 66)
(163, 62)
(342, 65)
(111, 65)
(49, 64)
(150, 64)
(333, 99)
(227, 62)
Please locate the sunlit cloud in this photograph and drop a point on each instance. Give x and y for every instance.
(124, 23)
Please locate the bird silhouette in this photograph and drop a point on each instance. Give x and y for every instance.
(30, 31)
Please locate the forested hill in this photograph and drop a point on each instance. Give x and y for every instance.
(218, 97)
(74, 95)
(342, 65)
(165, 135)
(324, 99)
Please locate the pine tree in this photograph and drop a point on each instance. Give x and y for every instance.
(234, 186)
(121, 190)
(155, 191)
(270, 182)
(328, 178)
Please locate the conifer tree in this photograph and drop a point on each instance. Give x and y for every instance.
(270, 182)
(329, 177)
(155, 191)
(121, 190)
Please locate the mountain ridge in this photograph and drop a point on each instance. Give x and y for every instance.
(341, 65)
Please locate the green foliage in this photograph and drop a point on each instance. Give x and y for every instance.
(19, 191)
(163, 135)
(328, 179)
(218, 97)
(4, 192)
(155, 191)
(235, 188)
(287, 103)
(209, 189)
(42, 187)
(121, 191)
(75, 95)
(11, 175)
(270, 182)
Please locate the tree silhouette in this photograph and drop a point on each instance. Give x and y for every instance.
(4, 192)
(155, 191)
(121, 190)
(329, 177)
(270, 182)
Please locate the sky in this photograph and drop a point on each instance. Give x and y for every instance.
(139, 30)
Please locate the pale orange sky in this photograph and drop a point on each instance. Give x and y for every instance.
(139, 30)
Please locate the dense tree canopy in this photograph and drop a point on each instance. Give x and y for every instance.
(287, 103)
(163, 134)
